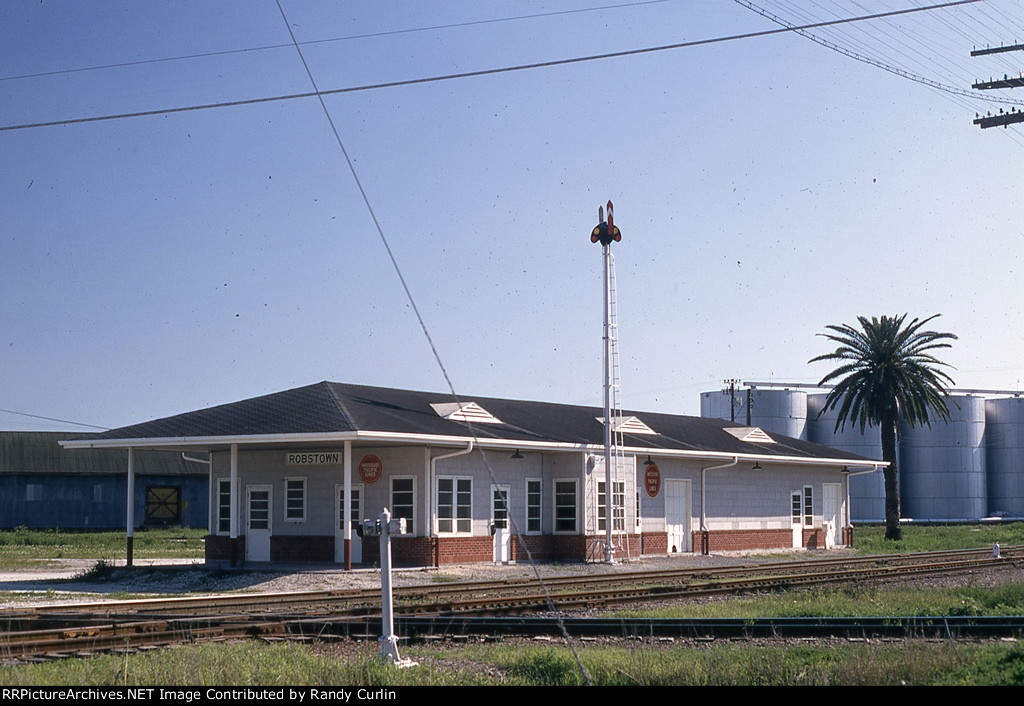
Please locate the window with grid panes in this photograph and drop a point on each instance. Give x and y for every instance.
(294, 499)
(454, 505)
(565, 506)
(618, 505)
(533, 505)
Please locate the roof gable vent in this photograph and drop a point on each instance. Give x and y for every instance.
(629, 425)
(465, 412)
(751, 435)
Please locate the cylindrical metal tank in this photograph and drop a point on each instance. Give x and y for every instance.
(942, 467)
(1004, 449)
(867, 491)
(780, 411)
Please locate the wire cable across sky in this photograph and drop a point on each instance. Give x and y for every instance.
(501, 70)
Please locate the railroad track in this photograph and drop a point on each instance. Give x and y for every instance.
(139, 623)
(438, 593)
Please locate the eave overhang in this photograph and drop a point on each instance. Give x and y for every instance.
(256, 441)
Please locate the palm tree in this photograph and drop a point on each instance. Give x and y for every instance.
(887, 371)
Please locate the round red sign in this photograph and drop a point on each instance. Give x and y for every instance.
(652, 480)
(370, 468)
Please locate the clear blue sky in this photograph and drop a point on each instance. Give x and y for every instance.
(765, 188)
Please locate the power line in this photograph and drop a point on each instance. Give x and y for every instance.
(490, 72)
(423, 327)
(53, 419)
(368, 35)
(903, 73)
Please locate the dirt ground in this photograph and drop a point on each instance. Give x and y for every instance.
(77, 580)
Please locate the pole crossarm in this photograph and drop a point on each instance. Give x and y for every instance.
(1005, 82)
(997, 120)
(997, 50)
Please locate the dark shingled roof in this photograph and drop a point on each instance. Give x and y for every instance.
(40, 452)
(327, 407)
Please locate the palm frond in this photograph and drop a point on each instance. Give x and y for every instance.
(887, 367)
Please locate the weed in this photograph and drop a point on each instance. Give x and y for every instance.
(102, 570)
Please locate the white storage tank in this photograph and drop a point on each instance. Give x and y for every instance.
(778, 411)
(867, 491)
(942, 468)
(1004, 449)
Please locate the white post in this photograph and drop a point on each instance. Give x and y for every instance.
(347, 511)
(130, 522)
(235, 505)
(388, 639)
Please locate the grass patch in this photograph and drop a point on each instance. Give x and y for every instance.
(240, 664)
(870, 539)
(1005, 599)
(23, 547)
(741, 665)
(256, 664)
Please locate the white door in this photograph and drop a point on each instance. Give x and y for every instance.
(831, 517)
(257, 522)
(677, 515)
(499, 521)
(339, 525)
(796, 502)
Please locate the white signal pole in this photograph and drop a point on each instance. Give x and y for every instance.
(606, 232)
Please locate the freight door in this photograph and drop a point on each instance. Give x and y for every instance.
(677, 515)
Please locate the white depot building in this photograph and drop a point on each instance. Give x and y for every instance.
(966, 468)
(292, 473)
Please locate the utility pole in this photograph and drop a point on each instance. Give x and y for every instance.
(1008, 117)
(732, 383)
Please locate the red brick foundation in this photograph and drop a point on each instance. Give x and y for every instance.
(848, 536)
(548, 547)
(217, 547)
(462, 550)
(302, 548)
(814, 539)
(735, 540)
(654, 542)
(628, 545)
(432, 551)
(405, 551)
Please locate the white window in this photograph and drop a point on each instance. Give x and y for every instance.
(534, 494)
(808, 506)
(33, 492)
(294, 499)
(618, 506)
(403, 501)
(454, 505)
(357, 505)
(97, 492)
(224, 506)
(565, 506)
(499, 506)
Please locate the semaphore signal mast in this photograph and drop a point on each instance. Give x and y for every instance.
(607, 232)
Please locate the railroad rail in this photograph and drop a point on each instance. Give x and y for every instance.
(435, 593)
(79, 628)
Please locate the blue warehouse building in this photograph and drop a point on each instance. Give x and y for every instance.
(45, 486)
